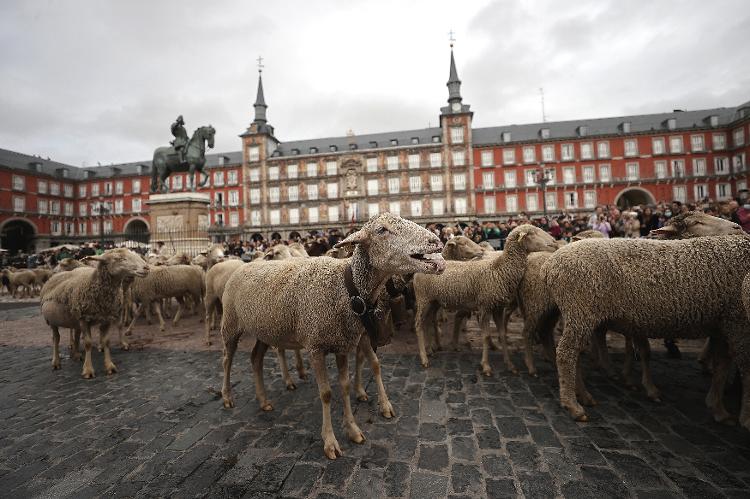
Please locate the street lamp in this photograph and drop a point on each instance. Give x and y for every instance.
(542, 179)
(103, 210)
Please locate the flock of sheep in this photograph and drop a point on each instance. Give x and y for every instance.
(687, 281)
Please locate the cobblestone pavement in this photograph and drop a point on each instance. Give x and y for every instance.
(157, 428)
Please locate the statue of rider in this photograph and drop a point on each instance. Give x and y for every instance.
(180, 138)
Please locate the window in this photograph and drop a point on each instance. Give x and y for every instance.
(413, 160)
(82, 228)
(487, 158)
(660, 169)
(373, 209)
(605, 173)
(701, 192)
(394, 207)
(416, 208)
(393, 185)
(511, 203)
(219, 199)
(571, 200)
(721, 166)
(566, 152)
(254, 174)
(177, 182)
(436, 159)
(42, 207)
(312, 169)
(679, 193)
(569, 175)
(460, 205)
(135, 186)
(589, 199)
(372, 187)
(532, 201)
(254, 196)
(219, 178)
(391, 162)
(738, 136)
(107, 226)
(234, 219)
(509, 156)
(54, 208)
(530, 177)
(457, 134)
(719, 141)
(489, 204)
(488, 180)
(631, 148)
(312, 214)
(107, 188)
(678, 168)
(255, 217)
(438, 207)
(332, 190)
(94, 228)
(544, 133)
(696, 143)
(136, 205)
(551, 174)
(82, 189)
(588, 174)
(119, 187)
(602, 149)
(548, 153)
(95, 208)
(94, 190)
(291, 170)
(459, 181)
(587, 150)
(739, 162)
(510, 179)
(19, 183)
(118, 207)
(274, 217)
(675, 144)
(293, 192)
(253, 153)
(273, 173)
(699, 167)
(657, 145)
(68, 190)
(436, 182)
(631, 171)
(741, 185)
(54, 189)
(415, 184)
(372, 164)
(41, 186)
(234, 198)
(551, 198)
(529, 155)
(459, 158)
(232, 178)
(312, 191)
(331, 168)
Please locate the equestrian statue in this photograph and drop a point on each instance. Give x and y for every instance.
(182, 155)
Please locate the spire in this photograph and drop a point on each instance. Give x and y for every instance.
(260, 102)
(454, 84)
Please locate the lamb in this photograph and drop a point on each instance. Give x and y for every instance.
(210, 257)
(308, 304)
(21, 279)
(86, 297)
(486, 285)
(650, 275)
(41, 275)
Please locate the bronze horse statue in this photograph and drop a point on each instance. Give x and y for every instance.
(166, 161)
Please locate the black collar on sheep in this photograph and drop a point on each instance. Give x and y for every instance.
(366, 311)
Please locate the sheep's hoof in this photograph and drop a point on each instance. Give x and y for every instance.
(486, 371)
(386, 409)
(583, 418)
(303, 375)
(174, 324)
(362, 396)
(87, 374)
(355, 434)
(654, 396)
(162, 329)
(111, 369)
(457, 348)
(513, 370)
(725, 418)
(291, 386)
(266, 406)
(228, 402)
(425, 363)
(125, 346)
(331, 449)
(587, 400)
(55, 365)
(533, 374)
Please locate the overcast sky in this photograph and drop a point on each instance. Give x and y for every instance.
(101, 81)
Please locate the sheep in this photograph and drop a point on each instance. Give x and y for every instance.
(67, 264)
(298, 250)
(651, 276)
(210, 257)
(86, 297)
(41, 275)
(21, 279)
(486, 285)
(306, 304)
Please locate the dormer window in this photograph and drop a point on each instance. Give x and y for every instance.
(373, 144)
(544, 133)
(295, 152)
(582, 130)
(394, 142)
(505, 136)
(333, 148)
(671, 123)
(313, 150)
(436, 139)
(625, 127)
(713, 120)
(352, 147)
(415, 140)
(36, 166)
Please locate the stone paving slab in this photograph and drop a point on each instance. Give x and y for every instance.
(158, 429)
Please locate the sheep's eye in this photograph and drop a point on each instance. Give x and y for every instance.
(382, 230)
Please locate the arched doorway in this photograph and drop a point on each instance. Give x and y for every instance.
(294, 236)
(137, 230)
(256, 237)
(276, 236)
(18, 235)
(634, 196)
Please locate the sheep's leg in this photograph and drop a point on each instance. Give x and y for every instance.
(109, 366)
(88, 367)
(601, 353)
(706, 355)
(281, 354)
(627, 365)
(386, 409)
(256, 357)
(123, 343)
(354, 432)
(529, 326)
(423, 315)
(501, 325)
(721, 360)
(484, 323)
(55, 348)
(568, 350)
(437, 330)
(157, 311)
(180, 306)
(644, 352)
(459, 319)
(300, 364)
(136, 314)
(77, 344)
(330, 444)
(209, 317)
(230, 347)
(359, 387)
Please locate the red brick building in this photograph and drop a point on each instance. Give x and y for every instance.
(443, 174)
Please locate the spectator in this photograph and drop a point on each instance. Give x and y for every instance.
(602, 225)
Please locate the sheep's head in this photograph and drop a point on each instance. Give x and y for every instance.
(121, 262)
(696, 224)
(587, 234)
(278, 252)
(216, 253)
(396, 246)
(531, 239)
(200, 260)
(462, 248)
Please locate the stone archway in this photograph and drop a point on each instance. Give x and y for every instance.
(137, 230)
(632, 196)
(18, 234)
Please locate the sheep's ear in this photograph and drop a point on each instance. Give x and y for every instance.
(521, 236)
(452, 242)
(664, 231)
(352, 240)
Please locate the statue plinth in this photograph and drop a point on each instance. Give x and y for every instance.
(180, 220)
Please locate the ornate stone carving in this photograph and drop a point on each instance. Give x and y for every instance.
(168, 223)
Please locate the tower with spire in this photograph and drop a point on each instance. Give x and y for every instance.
(455, 104)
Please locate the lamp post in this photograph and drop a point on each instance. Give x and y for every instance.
(103, 210)
(542, 179)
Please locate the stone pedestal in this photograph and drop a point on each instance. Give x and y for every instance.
(180, 220)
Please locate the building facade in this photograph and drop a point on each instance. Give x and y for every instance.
(453, 172)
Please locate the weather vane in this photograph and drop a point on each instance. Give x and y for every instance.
(260, 64)
(451, 38)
